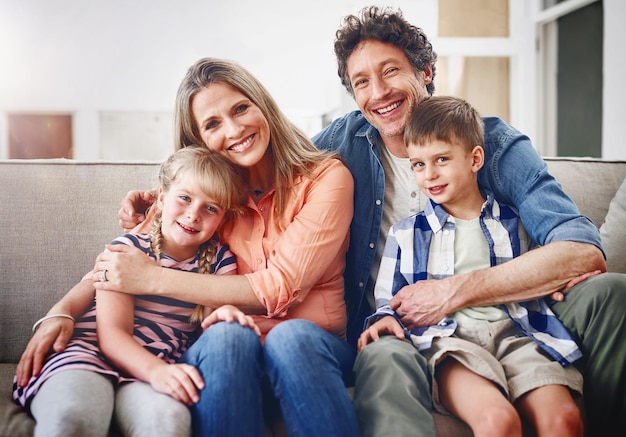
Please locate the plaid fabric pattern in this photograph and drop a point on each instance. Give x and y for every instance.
(422, 247)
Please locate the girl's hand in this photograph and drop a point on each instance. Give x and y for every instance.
(52, 335)
(180, 381)
(230, 314)
(386, 325)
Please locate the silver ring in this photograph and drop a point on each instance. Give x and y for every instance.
(103, 276)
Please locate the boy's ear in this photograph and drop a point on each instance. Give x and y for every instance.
(478, 158)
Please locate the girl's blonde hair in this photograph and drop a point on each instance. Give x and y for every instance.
(219, 179)
(293, 153)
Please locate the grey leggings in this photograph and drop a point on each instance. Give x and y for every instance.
(82, 403)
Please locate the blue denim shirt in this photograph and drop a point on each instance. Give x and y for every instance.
(513, 171)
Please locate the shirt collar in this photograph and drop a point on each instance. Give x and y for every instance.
(437, 216)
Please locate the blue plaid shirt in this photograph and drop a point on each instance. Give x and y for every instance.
(406, 261)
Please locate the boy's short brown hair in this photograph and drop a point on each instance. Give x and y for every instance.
(445, 118)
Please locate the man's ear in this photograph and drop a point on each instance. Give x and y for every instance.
(428, 74)
(478, 158)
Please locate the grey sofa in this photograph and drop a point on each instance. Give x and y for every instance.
(58, 214)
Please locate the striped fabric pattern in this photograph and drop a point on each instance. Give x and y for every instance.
(161, 325)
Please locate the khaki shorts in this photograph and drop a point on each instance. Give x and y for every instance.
(501, 353)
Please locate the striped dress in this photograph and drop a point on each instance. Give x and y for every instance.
(161, 326)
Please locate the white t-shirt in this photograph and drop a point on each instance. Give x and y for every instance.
(403, 198)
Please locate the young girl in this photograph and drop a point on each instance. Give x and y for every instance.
(128, 366)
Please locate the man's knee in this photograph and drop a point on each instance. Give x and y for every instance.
(599, 296)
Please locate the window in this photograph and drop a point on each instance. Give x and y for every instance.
(34, 136)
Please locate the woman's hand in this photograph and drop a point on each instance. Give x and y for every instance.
(134, 207)
(230, 314)
(126, 269)
(385, 326)
(180, 381)
(52, 334)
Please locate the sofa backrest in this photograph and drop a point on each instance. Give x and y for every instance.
(591, 183)
(57, 215)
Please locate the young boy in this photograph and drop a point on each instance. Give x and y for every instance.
(489, 364)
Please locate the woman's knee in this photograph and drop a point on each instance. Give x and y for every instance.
(292, 331)
(222, 339)
(294, 339)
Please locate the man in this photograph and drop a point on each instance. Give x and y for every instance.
(388, 66)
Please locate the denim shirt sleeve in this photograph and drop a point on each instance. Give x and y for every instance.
(517, 175)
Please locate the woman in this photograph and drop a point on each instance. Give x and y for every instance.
(290, 247)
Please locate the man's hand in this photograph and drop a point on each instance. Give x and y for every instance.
(134, 207)
(180, 381)
(52, 335)
(386, 325)
(422, 303)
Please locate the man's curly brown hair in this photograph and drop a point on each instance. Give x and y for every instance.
(388, 26)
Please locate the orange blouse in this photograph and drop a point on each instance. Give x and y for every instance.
(295, 263)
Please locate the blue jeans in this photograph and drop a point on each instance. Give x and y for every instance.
(304, 366)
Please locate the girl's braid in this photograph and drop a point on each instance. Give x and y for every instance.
(207, 250)
(206, 253)
(156, 238)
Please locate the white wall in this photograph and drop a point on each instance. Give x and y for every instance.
(90, 57)
(614, 91)
(116, 64)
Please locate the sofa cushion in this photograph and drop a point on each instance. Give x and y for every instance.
(613, 232)
(14, 421)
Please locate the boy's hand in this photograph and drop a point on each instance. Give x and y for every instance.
(385, 326)
(559, 296)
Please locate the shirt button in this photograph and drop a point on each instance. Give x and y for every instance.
(378, 202)
(446, 231)
(259, 260)
(361, 285)
(262, 209)
(371, 245)
(413, 194)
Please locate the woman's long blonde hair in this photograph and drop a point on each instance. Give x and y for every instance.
(219, 179)
(293, 153)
